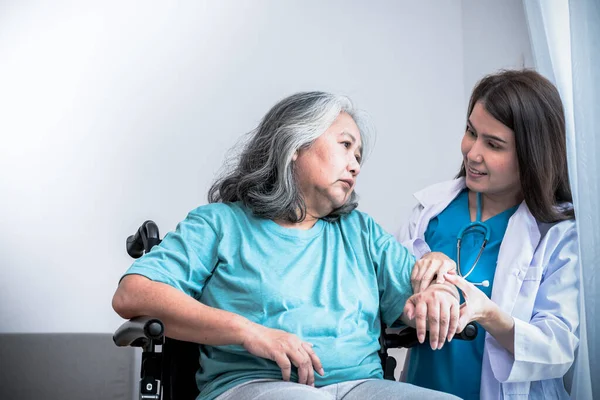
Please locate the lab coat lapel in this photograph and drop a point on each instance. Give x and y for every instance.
(435, 199)
(516, 253)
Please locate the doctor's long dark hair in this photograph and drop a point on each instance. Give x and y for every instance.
(530, 105)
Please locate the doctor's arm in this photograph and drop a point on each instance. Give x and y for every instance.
(543, 347)
(478, 307)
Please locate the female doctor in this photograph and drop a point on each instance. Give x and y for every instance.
(508, 224)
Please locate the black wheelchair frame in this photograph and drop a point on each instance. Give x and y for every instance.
(171, 371)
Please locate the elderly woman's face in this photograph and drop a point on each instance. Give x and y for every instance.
(327, 170)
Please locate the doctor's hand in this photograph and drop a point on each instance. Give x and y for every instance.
(430, 269)
(477, 305)
(435, 310)
(286, 350)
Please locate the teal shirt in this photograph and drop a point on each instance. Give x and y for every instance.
(456, 368)
(330, 285)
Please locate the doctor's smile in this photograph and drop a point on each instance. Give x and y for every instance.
(475, 172)
(503, 210)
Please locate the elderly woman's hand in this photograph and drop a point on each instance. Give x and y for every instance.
(435, 310)
(431, 267)
(285, 349)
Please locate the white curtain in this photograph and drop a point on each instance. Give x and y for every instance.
(565, 38)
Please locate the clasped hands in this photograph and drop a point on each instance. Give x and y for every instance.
(435, 307)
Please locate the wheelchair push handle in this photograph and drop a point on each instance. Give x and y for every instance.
(143, 240)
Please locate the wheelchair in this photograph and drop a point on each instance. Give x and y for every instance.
(169, 366)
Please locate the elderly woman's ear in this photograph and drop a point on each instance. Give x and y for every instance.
(295, 156)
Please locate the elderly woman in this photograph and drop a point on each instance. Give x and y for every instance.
(280, 276)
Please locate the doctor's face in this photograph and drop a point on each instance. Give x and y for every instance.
(490, 155)
(326, 171)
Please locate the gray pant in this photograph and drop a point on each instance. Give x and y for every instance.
(377, 389)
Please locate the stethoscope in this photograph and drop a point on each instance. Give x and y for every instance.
(478, 226)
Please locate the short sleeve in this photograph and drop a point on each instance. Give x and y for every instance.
(394, 264)
(185, 258)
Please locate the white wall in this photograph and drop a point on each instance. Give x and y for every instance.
(113, 113)
(495, 36)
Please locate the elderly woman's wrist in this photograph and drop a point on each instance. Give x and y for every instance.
(242, 328)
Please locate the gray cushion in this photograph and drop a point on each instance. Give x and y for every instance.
(66, 366)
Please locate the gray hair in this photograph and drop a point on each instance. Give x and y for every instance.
(261, 174)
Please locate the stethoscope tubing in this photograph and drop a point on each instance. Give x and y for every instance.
(478, 226)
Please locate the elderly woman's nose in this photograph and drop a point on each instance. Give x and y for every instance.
(354, 166)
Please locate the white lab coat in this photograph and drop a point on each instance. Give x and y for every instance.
(536, 282)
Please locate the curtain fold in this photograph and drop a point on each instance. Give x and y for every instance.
(565, 38)
(585, 62)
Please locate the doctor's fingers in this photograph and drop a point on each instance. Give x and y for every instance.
(465, 316)
(426, 271)
(417, 276)
(466, 287)
(450, 268)
(436, 271)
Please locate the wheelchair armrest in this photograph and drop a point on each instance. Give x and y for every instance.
(408, 337)
(139, 332)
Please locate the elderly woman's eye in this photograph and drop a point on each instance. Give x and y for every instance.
(346, 144)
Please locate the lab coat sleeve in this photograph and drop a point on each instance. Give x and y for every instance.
(407, 235)
(545, 346)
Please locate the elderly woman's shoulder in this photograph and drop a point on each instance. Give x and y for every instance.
(360, 219)
(219, 212)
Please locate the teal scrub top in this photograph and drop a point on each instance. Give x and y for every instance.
(456, 368)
